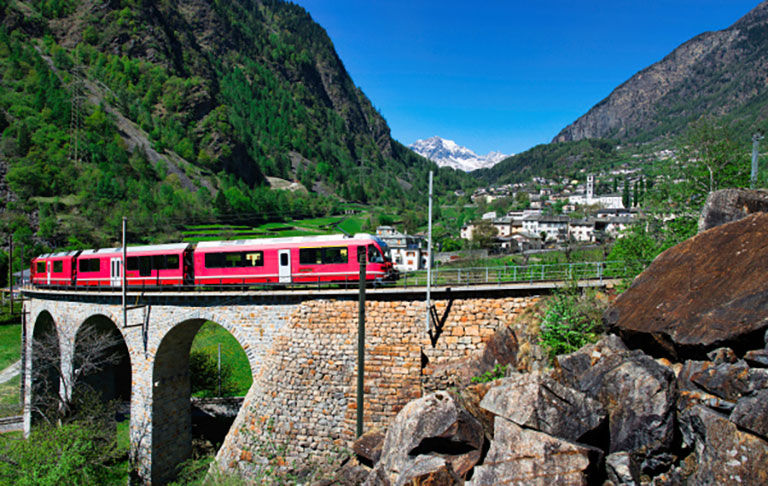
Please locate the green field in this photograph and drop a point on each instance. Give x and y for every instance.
(232, 354)
(10, 344)
(10, 398)
(303, 227)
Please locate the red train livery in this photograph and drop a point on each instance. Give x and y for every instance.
(313, 259)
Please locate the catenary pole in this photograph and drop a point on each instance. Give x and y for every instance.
(429, 257)
(123, 266)
(361, 258)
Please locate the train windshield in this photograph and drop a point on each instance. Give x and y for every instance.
(375, 255)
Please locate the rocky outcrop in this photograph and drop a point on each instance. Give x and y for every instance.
(707, 292)
(715, 72)
(640, 396)
(731, 205)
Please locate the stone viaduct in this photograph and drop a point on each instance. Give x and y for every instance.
(301, 347)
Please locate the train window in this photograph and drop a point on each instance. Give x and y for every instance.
(58, 266)
(234, 259)
(89, 265)
(171, 262)
(133, 263)
(40, 267)
(325, 255)
(145, 266)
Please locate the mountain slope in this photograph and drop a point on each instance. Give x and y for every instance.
(182, 108)
(719, 73)
(447, 153)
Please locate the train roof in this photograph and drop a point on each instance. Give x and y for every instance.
(137, 249)
(286, 240)
(60, 254)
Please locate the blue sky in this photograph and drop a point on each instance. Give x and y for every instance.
(504, 75)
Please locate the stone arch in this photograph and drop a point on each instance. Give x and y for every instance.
(101, 361)
(171, 409)
(45, 367)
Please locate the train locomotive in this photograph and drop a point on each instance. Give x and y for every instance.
(312, 259)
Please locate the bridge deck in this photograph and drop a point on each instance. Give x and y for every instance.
(303, 293)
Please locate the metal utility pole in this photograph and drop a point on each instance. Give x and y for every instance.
(123, 266)
(429, 258)
(755, 144)
(361, 258)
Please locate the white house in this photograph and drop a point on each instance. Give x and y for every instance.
(408, 252)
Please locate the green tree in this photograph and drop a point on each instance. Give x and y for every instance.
(711, 158)
(484, 234)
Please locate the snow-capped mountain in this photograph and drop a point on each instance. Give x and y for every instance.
(447, 153)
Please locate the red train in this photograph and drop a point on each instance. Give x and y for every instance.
(313, 259)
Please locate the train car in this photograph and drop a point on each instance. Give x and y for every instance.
(313, 259)
(152, 265)
(54, 269)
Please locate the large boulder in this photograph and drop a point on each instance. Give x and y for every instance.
(432, 437)
(640, 396)
(707, 292)
(725, 454)
(751, 413)
(524, 456)
(538, 402)
(730, 205)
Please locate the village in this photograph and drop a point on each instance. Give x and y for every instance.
(561, 213)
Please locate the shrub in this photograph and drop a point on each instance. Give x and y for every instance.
(75, 453)
(497, 372)
(571, 320)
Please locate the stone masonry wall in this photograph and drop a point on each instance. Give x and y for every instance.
(305, 398)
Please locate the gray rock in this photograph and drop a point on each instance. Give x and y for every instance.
(725, 454)
(730, 381)
(757, 358)
(540, 403)
(523, 456)
(722, 355)
(368, 446)
(729, 205)
(621, 469)
(430, 435)
(751, 413)
(640, 396)
(571, 366)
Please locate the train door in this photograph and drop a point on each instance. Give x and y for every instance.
(114, 272)
(49, 269)
(284, 260)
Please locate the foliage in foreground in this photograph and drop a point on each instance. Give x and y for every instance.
(75, 453)
(498, 371)
(571, 319)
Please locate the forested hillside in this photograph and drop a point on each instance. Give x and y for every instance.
(550, 160)
(175, 111)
